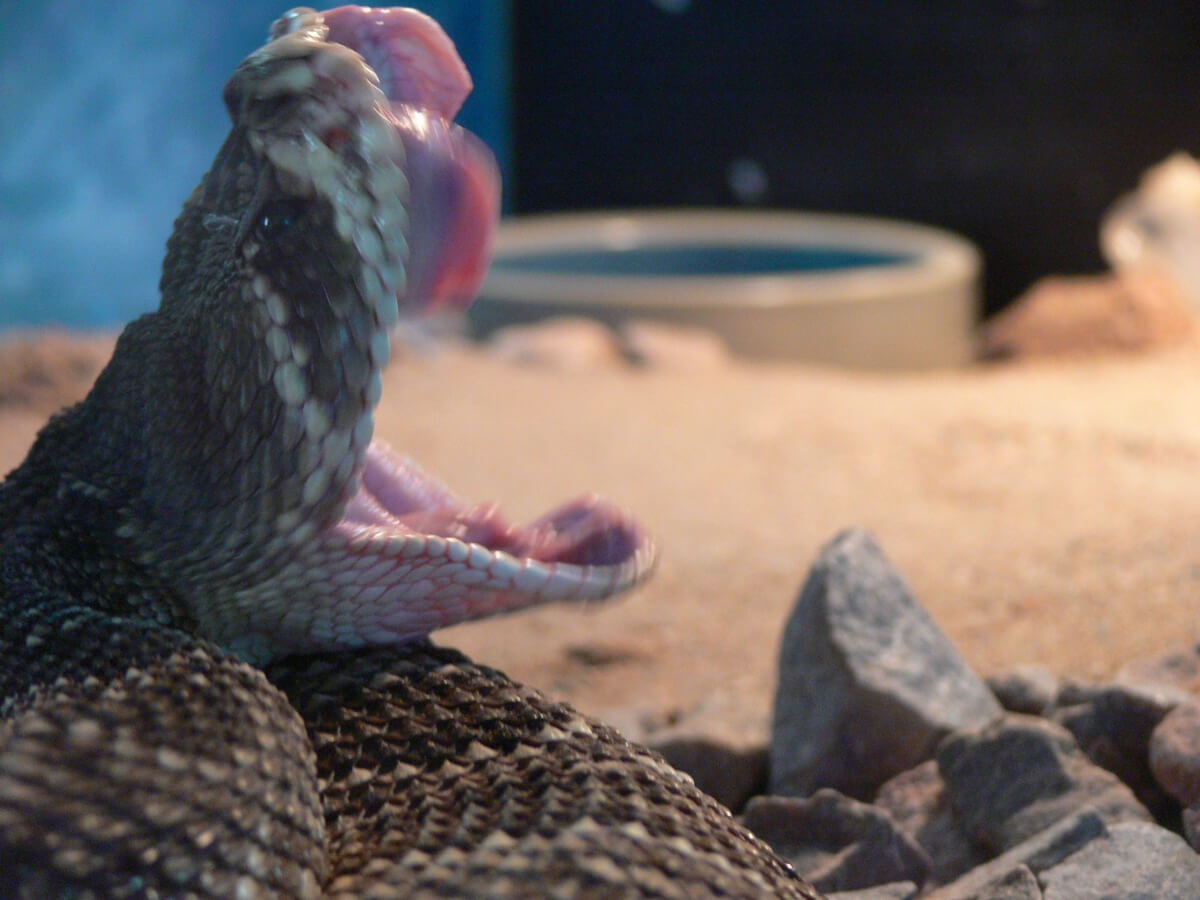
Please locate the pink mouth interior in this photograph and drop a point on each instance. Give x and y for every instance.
(453, 207)
(399, 498)
(454, 199)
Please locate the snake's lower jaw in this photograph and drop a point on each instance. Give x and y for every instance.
(408, 557)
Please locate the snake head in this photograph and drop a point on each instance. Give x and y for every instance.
(343, 196)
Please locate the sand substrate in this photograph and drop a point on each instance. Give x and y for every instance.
(1042, 512)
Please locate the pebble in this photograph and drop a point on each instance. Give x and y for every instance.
(836, 842)
(918, 802)
(1175, 753)
(1019, 775)
(1028, 688)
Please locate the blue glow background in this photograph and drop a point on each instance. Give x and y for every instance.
(109, 115)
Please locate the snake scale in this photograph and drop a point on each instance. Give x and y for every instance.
(215, 588)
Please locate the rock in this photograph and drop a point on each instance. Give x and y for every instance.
(1175, 753)
(836, 842)
(1045, 849)
(1077, 315)
(868, 684)
(570, 343)
(1135, 860)
(1113, 730)
(1179, 669)
(1019, 775)
(664, 345)
(730, 775)
(1072, 692)
(917, 802)
(899, 890)
(1029, 688)
(1191, 825)
(1018, 884)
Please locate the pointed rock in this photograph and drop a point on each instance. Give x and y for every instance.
(868, 684)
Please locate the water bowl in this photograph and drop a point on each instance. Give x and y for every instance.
(822, 288)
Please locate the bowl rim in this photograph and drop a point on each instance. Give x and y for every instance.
(934, 259)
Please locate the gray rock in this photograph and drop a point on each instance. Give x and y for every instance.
(868, 684)
(1028, 688)
(917, 801)
(1178, 669)
(1018, 775)
(1113, 730)
(1175, 753)
(1042, 851)
(1072, 692)
(836, 842)
(730, 775)
(1191, 825)
(900, 890)
(1136, 861)
(1019, 884)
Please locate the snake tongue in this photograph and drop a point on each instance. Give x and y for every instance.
(453, 200)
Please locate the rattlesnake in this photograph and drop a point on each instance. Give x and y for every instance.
(215, 588)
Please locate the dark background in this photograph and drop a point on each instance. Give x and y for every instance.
(1014, 123)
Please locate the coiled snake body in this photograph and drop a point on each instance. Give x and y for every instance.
(214, 587)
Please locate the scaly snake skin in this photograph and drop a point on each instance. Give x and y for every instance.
(214, 587)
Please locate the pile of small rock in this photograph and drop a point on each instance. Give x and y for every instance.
(895, 772)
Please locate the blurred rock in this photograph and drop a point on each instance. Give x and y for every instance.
(1191, 825)
(1114, 729)
(1028, 688)
(1179, 669)
(1018, 884)
(899, 890)
(1135, 860)
(665, 345)
(1076, 315)
(1174, 752)
(1019, 775)
(1072, 692)
(917, 802)
(868, 684)
(837, 843)
(1043, 850)
(730, 775)
(569, 343)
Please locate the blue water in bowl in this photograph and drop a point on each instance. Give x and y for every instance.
(668, 260)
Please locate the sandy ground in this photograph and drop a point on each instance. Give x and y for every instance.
(1042, 512)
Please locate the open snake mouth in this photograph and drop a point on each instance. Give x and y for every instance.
(406, 555)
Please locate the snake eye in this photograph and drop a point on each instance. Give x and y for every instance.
(278, 216)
